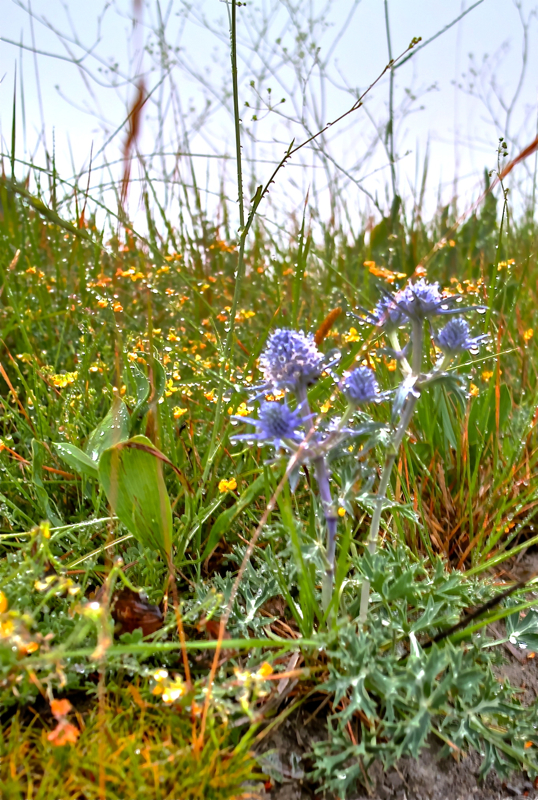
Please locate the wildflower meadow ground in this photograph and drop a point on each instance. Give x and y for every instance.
(253, 481)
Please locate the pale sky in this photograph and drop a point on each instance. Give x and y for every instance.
(183, 55)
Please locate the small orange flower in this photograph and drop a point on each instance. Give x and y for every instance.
(63, 733)
(264, 670)
(60, 708)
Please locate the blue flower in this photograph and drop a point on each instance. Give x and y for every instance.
(387, 313)
(421, 299)
(418, 301)
(360, 386)
(454, 337)
(291, 360)
(277, 422)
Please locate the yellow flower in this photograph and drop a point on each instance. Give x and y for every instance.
(66, 379)
(486, 375)
(243, 410)
(3, 603)
(473, 390)
(178, 412)
(341, 512)
(6, 629)
(325, 407)
(263, 671)
(174, 690)
(227, 486)
(352, 336)
(528, 334)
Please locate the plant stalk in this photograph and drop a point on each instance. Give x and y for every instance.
(392, 452)
(322, 479)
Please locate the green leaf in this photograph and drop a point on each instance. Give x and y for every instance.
(48, 506)
(142, 387)
(76, 458)
(159, 378)
(147, 392)
(112, 429)
(523, 630)
(131, 475)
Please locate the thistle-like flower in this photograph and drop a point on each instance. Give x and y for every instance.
(418, 301)
(387, 313)
(422, 299)
(454, 337)
(291, 360)
(360, 386)
(277, 422)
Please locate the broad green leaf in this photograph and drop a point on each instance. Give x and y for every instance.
(159, 378)
(142, 386)
(131, 475)
(112, 429)
(76, 458)
(147, 392)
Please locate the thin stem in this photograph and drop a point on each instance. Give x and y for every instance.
(243, 232)
(382, 493)
(392, 452)
(390, 126)
(416, 341)
(395, 344)
(322, 478)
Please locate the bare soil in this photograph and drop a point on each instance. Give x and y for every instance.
(426, 778)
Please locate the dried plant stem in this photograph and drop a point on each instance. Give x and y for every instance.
(295, 459)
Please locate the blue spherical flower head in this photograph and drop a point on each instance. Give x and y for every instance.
(421, 300)
(277, 422)
(454, 338)
(387, 313)
(360, 386)
(291, 360)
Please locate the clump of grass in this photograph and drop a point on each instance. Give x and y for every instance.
(126, 748)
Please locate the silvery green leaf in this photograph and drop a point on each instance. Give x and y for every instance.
(293, 477)
(406, 388)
